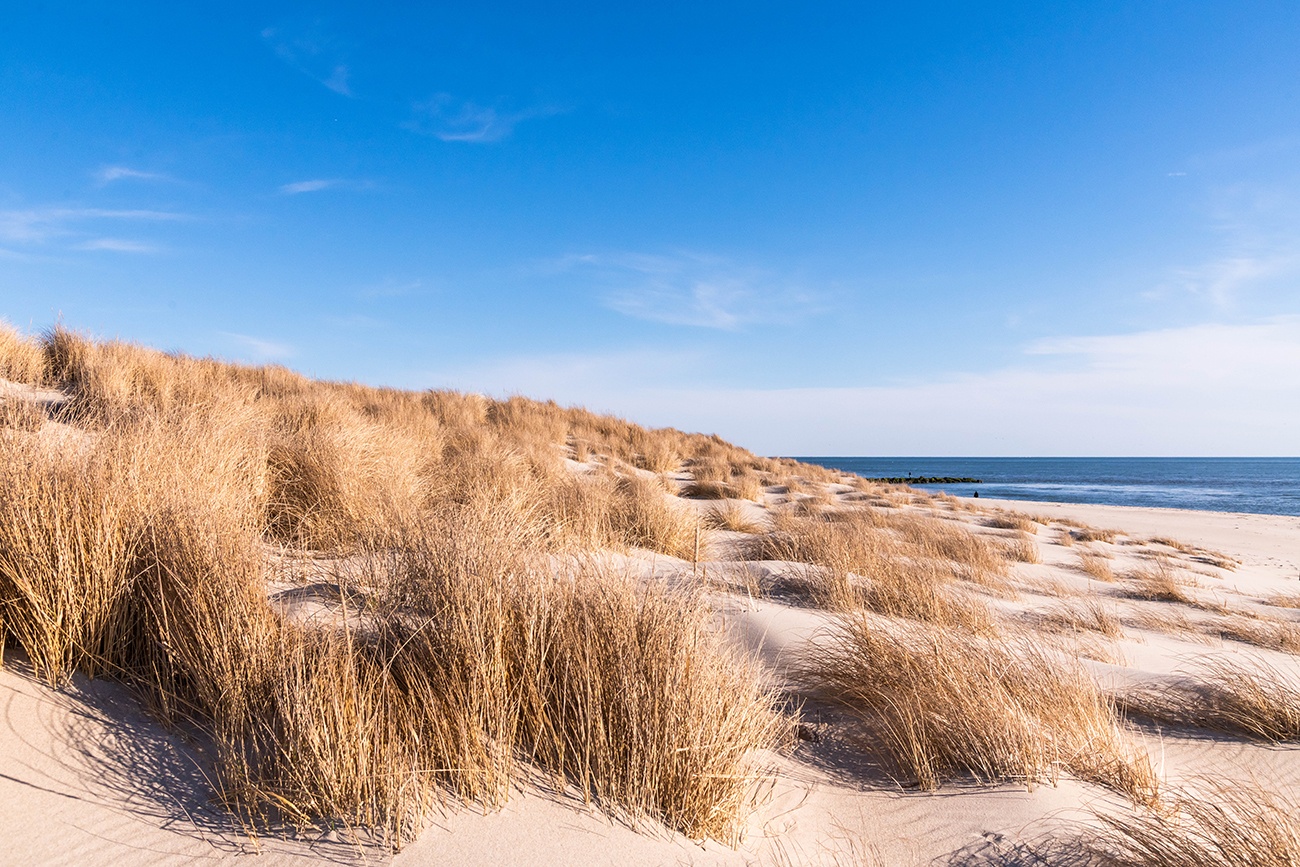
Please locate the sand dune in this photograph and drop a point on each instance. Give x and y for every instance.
(88, 777)
(1141, 631)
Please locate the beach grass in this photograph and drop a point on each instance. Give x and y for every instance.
(1209, 823)
(139, 555)
(1233, 694)
(938, 704)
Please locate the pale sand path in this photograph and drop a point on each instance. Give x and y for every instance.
(1271, 542)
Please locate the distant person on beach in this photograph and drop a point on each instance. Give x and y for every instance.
(976, 495)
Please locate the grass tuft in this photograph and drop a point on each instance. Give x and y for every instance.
(1159, 583)
(1021, 549)
(1095, 566)
(22, 359)
(731, 515)
(1242, 697)
(646, 517)
(1085, 616)
(938, 704)
(1215, 824)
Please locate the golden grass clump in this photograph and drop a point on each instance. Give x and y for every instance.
(23, 415)
(1021, 549)
(657, 456)
(138, 559)
(626, 693)
(1227, 825)
(937, 704)
(1096, 566)
(1208, 824)
(22, 359)
(731, 515)
(635, 700)
(1247, 697)
(578, 512)
(709, 490)
(581, 450)
(1159, 583)
(337, 478)
(972, 558)
(110, 380)
(67, 546)
(858, 559)
(919, 596)
(351, 743)
(1202, 555)
(1003, 520)
(863, 540)
(1085, 616)
(1280, 635)
(529, 421)
(748, 485)
(645, 517)
(1170, 621)
(709, 470)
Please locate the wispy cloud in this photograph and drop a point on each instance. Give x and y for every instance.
(313, 52)
(692, 289)
(40, 225)
(118, 245)
(453, 120)
(313, 186)
(1223, 280)
(1191, 356)
(1250, 206)
(392, 289)
(109, 174)
(1201, 390)
(260, 349)
(316, 185)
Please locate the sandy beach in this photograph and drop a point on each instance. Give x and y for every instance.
(89, 778)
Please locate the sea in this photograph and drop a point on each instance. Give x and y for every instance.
(1267, 486)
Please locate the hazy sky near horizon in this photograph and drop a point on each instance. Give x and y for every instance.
(927, 228)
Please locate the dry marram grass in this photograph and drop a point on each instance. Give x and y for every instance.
(892, 564)
(1096, 566)
(1236, 695)
(1158, 583)
(1021, 548)
(21, 358)
(138, 555)
(1085, 616)
(937, 704)
(731, 515)
(1281, 635)
(1012, 521)
(1215, 824)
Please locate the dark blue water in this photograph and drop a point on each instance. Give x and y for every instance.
(1268, 486)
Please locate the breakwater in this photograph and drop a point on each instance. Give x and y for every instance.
(926, 480)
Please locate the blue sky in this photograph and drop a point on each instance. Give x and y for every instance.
(845, 229)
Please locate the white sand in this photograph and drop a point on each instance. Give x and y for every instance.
(86, 777)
